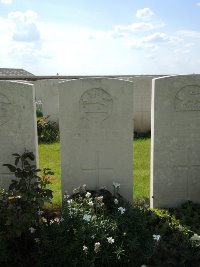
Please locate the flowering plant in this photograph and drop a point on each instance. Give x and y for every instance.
(48, 131)
(24, 200)
(97, 229)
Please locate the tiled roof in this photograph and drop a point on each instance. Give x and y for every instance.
(14, 72)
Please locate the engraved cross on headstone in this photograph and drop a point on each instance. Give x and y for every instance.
(98, 171)
(192, 174)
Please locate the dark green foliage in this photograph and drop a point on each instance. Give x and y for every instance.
(48, 131)
(20, 208)
(144, 135)
(189, 214)
(39, 113)
(61, 243)
(132, 232)
(95, 229)
(175, 248)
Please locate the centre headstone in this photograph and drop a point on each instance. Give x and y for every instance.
(17, 124)
(96, 127)
(175, 165)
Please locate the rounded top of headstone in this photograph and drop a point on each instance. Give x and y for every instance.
(96, 104)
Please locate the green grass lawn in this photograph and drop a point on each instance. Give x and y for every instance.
(49, 157)
(141, 168)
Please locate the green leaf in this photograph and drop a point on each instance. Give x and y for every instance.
(10, 167)
(30, 155)
(17, 161)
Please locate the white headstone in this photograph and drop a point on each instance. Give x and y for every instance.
(175, 165)
(47, 93)
(96, 134)
(17, 124)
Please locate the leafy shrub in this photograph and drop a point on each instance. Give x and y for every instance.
(175, 247)
(99, 229)
(48, 131)
(39, 113)
(21, 208)
(96, 229)
(189, 214)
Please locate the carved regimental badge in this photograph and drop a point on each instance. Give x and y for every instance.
(5, 107)
(188, 98)
(96, 105)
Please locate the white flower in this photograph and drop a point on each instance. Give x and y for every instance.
(116, 201)
(99, 201)
(85, 249)
(61, 219)
(143, 265)
(37, 240)
(90, 203)
(97, 247)
(40, 212)
(156, 237)
(88, 194)
(70, 201)
(76, 190)
(57, 220)
(44, 220)
(122, 210)
(71, 213)
(66, 196)
(110, 240)
(87, 217)
(116, 185)
(195, 237)
(32, 230)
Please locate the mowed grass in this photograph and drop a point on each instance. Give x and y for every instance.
(141, 168)
(49, 157)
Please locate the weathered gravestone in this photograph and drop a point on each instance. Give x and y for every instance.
(17, 124)
(96, 134)
(47, 92)
(175, 165)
